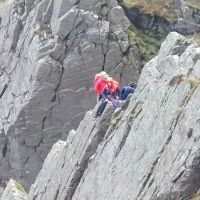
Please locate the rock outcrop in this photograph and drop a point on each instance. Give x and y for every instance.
(148, 150)
(50, 51)
(14, 191)
(152, 21)
(163, 17)
(189, 19)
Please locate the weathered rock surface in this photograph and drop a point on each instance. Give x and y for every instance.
(186, 19)
(50, 51)
(14, 191)
(149, 150)
(1, 192)
(73, 158)
(189, 20)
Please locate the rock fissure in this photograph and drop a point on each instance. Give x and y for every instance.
(123, 141)
(60, 45)
(3, 90)
(57, 87)
(82, 166)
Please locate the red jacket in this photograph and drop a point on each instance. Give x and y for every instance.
(99, 84)
(114, 86)
(96, 78)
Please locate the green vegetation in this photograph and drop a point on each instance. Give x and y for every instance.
(176, 80)
(2, 1)
(195, 36)
(18, 186)
(147, 46)
(196, 196)
(193, 3)
(161, 8)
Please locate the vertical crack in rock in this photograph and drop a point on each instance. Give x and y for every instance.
(116, 122)
(194, 83)
(57, 193)
(4, 143)
(3, 91)
(57, 87)
(17, 31)
(123, 141)
(90, 151)
(4, 151)
(149, 175)
(104, 62)
(43, 122)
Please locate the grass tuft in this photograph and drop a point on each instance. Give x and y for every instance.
(147, 45)
(193, 4)
(161, 8)
(19, 186)
(195, 37)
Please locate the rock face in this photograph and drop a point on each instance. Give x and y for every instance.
(50, 51)
(73, 156)
(189, 20)
(14, 191)
(148, 150)
(186, 19)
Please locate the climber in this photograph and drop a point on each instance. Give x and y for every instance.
(126, 90)
(111, 89)
(100, 82)
(109, 95)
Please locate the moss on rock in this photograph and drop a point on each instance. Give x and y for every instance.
(18, 186)
(195, 37)
(147, 46)
(193, 4)
(161, 8)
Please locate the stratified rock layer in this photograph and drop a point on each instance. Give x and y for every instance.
(50, 51)
(149, 151)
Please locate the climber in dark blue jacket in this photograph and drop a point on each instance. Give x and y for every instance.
(126, 90)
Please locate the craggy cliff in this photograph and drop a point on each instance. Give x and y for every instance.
(153, 20)
(49, 53)
(147, 150)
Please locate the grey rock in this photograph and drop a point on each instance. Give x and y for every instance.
(47, 15)
(187, 27)
(175, 44)
(177, 3)
(113, 56)
(58, 51)
(190, 13)
(185, 21)
(73, 157)
(14, 191)
(49, 54)
(147, 150)
(189, 20)
(65, 23)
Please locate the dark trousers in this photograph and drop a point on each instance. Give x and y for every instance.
(101, 108)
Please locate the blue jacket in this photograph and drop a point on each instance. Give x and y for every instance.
(125, 91)
(106, 92)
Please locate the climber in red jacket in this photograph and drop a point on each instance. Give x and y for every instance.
(100, 81)
(111, 89)
(110, 94)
